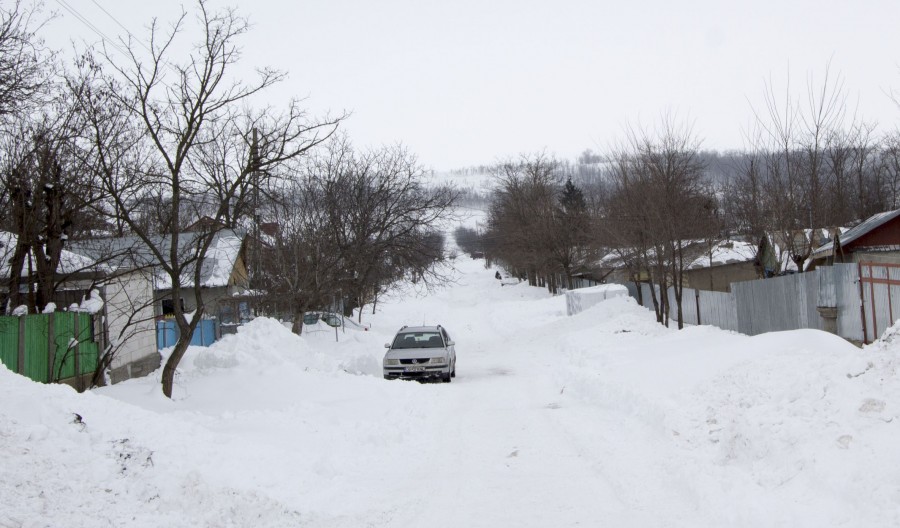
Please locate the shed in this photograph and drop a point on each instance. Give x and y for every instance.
(876, 239)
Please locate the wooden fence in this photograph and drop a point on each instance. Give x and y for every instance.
(49, 348)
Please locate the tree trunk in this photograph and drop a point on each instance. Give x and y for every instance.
(184, 340)
(678, 282)
(297, 325)
(640, 291)
(657, 309)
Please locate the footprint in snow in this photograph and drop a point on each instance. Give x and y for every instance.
(843, 441)
(871, 405)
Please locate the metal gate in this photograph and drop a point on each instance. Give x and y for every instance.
(876, 284)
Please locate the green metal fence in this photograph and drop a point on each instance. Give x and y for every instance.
(50, 347)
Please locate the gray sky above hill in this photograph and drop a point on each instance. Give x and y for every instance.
(466, 82)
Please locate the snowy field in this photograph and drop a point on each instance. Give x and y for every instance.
(604, 418)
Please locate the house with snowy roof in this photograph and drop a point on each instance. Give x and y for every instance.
(709, 265)
(121, 300)
(222, 271)
(723, 263)
(876, 239)
(616, 266)
(73, 274)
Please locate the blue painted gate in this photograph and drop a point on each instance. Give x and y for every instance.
(167, 333)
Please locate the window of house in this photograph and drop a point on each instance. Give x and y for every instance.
(168, 307)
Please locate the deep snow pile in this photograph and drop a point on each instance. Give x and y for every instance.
(602, 418)
(800, 426)
(73, 459)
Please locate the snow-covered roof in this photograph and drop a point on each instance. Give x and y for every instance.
(725, 252)
(69, 261)
(868, 225)
(221, 258)
(134, 253)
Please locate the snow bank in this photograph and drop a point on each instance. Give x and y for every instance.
(602, 417)
(809, 427)
(74, 459)
(580, 299)
(801, 423)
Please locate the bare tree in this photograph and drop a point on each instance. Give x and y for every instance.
(537, 227)
(889, 163)
(25, 64)
(385, 217)
(47, 193)
(176, 124)
(665, 206)
(354, 225)
(797, 136)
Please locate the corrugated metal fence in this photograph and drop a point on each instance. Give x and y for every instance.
(779, 303)
(789, 303)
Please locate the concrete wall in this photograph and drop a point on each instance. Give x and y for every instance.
(719, 278)
(131, 324)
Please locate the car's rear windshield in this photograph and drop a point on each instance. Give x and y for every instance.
(418, 340)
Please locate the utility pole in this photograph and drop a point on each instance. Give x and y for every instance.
(254, 167)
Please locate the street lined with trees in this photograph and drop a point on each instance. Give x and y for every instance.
(657, 201)
(141, 139)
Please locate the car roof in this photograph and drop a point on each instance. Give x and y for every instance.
(411, 329)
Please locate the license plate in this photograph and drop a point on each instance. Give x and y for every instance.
(415, 369)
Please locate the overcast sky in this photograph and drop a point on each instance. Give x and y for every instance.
(465, 82)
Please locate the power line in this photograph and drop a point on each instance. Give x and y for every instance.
(84, 20)
(111, 42)
(127, 32)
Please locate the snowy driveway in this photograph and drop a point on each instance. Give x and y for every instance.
(600, 419)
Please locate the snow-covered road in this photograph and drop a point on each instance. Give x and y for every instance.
(601, 419)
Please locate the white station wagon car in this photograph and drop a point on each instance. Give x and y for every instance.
(421, 352)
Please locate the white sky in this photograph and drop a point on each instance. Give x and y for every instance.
(466, 82)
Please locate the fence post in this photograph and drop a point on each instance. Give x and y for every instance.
(98, 321)
(78, 384)
(862, 304)
(21, 366)
(697, 300)
(51, 345)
